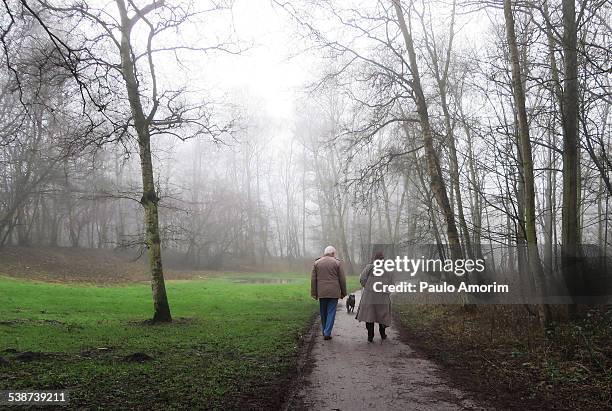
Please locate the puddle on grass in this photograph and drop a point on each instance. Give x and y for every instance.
(263, 280)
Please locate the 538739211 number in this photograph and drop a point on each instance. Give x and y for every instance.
(34, 397)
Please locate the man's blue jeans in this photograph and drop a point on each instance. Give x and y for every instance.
(327, 307)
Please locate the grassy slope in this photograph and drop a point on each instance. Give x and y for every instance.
(232, 344)
(499, 353)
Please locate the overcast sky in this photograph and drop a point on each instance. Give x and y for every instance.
(270, 69)
(276, 66)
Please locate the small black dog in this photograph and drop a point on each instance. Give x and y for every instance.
(350, 303)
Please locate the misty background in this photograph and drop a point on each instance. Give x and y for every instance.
(288, 126)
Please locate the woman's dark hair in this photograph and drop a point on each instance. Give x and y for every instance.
(378, 255)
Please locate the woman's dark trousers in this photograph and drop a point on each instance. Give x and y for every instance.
(381, 329)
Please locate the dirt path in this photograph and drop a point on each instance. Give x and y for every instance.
(348, 373)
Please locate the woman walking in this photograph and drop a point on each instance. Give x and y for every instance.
(375, 306)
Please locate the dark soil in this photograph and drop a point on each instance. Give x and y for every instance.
(138, 357)
(29, 356)
(499, 354)
(175, 321)
(303, 366)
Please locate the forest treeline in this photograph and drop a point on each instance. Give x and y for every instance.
(456, 123)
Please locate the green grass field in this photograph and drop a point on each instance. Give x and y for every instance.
(232, 342)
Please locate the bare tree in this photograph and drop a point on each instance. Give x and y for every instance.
(526, 161)
(438, 186)
(90, 59)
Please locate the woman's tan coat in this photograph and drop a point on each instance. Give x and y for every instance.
(374, 307)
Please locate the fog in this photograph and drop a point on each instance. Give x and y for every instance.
(278, 128)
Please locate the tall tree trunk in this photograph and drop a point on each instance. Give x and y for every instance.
(398, 215)
(570, 231)
(475, 197)
(548, 206)
(304, 162)
(437, 184)
(342, 210)
(149, 198)
(440, 72)
(527, 160)
(387, 211)
(430, 209)
(557, 94)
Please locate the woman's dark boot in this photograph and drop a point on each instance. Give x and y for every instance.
(370, 328)
(381, 329)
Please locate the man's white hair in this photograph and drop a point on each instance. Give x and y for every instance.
(329, 250)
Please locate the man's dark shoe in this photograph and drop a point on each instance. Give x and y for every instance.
(370, 339)
(383, 336)
(327, 337)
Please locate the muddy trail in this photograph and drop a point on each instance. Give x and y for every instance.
(348, 373)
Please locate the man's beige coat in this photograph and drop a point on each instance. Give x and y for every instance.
(327, 279)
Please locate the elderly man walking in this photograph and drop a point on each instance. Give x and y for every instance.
(328, 283)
